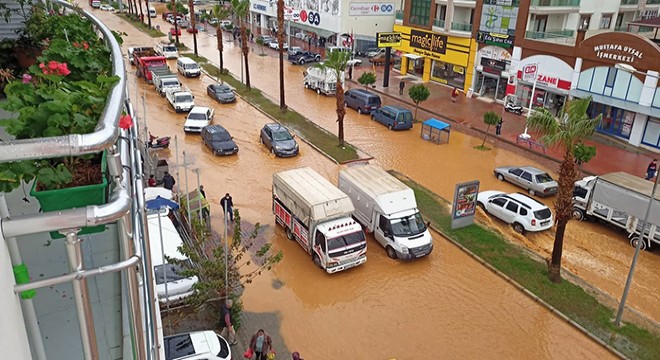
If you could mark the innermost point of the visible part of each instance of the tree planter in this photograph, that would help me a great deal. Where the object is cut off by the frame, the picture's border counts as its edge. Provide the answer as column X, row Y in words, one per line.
column 74, row 197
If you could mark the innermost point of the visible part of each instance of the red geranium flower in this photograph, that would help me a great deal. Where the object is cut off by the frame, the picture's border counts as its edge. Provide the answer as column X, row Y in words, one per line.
column 125, row 122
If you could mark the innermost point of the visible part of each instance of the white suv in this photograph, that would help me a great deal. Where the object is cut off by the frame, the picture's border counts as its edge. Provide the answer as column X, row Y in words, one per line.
column 198, row 117
column 520, row 210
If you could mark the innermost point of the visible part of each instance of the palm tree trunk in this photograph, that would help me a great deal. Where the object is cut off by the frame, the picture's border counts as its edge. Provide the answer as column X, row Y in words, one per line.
column 218, row 35
column 486, row 136
column 130, row 8
column 176, row 23
column 341, row 112
column 146, row 4
column 280, row 41
column 554, row 268
column 191, row 6
column 246, row 50
column 139, row 3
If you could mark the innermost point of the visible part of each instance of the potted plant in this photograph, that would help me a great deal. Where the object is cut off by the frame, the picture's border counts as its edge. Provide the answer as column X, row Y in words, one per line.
column 64, row 93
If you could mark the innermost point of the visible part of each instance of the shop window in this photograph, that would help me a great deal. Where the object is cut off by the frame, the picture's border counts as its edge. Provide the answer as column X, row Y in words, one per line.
column 420, row 12
column 652, row 133
column 584, row 82
column 634, row 90
column 598, row 81
column 615, row 121
column 585, row 20
column 450, row 74
column 605, row 21
column 656, row 99
column 621, row 84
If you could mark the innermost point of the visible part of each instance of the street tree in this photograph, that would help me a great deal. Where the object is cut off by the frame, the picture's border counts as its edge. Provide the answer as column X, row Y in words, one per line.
column 280, row 42
column 261, row 43
column 176, row 7
column 336, row 64
column 139, row 3
column 418, row 94
column 242, row 10
column 245, row 261
column 572, row 128
column 220, row 12
column 583, row 154
column 367, row 79
column 146, row 4
column 191, row 5
column 490, row 119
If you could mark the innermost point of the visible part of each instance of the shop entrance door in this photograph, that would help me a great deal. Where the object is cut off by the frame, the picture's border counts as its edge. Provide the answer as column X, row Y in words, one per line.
column 487, row 85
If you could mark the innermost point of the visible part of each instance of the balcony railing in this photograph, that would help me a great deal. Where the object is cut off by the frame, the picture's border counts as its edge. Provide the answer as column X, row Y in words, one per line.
column 621, row 28
column 652, row 2
column 572, row 3
column 557, row 36
column 439, row 23
column 461, row 26
column 399, row 15
column 629, row 2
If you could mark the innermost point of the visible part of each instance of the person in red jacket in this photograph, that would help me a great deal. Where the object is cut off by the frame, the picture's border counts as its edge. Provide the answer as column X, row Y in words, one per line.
column 454, row 94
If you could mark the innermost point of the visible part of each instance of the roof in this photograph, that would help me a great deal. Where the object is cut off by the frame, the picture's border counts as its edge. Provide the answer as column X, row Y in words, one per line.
column 630, row 182
column 199, row 109
column 653, row 22
column 533, row 170
column 216, row 128
column 435, row 123
column 527, row 200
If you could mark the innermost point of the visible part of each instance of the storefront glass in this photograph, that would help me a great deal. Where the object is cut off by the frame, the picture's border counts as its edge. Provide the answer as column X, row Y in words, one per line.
column 491, row 86
column 617, row 122
column 652, row 133
column 546, row 98
column 450, row 74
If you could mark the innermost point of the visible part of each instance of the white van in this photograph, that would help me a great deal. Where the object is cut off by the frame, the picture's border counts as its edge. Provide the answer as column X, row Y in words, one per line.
column 178, row 287
column 152, row 12
column 167, row 49
column 188, row 67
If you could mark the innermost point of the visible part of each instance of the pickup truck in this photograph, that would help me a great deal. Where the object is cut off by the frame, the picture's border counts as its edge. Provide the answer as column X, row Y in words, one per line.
column 146, row 64
column 141, row 51
column 182, row 100
column 165, row 80
column 303, row 57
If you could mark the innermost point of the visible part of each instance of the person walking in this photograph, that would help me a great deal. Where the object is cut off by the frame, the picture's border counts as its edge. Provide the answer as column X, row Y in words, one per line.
column 454, row 94
column 261, row 345
column 402, row 85
column 296, row 356
column 201, row 191
column 168, row 181
column 498, row 127
column 228, row 332
column 228, row 206
column 652, row 169
column 350, row 72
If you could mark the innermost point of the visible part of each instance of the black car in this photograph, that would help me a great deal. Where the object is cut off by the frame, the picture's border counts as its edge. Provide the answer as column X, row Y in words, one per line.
column 279, row 140
column 221, row 92
column 218, row 140
column 304, row 57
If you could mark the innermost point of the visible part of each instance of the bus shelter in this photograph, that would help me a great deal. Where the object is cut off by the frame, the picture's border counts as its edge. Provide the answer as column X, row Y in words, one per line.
column 433, row 129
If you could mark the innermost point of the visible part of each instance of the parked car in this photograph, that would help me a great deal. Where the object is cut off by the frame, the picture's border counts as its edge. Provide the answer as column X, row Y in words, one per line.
column 196, row 345
column 266, row 39
column 362, row 100
column 170, row 19
column 166, row 15
column 218, row 139
column 371, row 52
column 193, row 30
column 304, row 57
column 520, row 210
column 174, row 32
column 221, row 92
column 106, row 7
column 198, row 118
column 394, row 117
column 276, row 45
column 354, row 62
column 279, row 140
column 535, row 181
column 379, row 59
column 293, row 50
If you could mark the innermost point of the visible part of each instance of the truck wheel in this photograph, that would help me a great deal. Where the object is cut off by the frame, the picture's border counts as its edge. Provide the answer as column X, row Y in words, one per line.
column 634, row 240
column 517, row 227
column 577, row 214
column 390, row 252
column 500, row 177
column 318, row 91
column 289, row 234
column 317, row 261
column 532, row 192
column 306, row 86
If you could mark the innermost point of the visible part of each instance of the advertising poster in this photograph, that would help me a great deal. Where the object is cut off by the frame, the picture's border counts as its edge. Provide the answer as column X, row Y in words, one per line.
column 464, row 206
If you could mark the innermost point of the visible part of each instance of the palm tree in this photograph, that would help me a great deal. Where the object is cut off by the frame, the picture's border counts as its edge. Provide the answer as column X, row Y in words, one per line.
column 280, row 41
column 146, row 4
column 220, row 12
column 336, row 63
column 191, row 5
column 573, row 126
column 242, row 10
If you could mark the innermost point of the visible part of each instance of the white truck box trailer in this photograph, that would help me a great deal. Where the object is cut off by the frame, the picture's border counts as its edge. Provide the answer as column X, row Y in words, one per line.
column 323, row 81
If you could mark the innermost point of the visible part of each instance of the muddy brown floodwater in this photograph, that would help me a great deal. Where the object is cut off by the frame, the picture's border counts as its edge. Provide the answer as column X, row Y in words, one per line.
column 443, row 306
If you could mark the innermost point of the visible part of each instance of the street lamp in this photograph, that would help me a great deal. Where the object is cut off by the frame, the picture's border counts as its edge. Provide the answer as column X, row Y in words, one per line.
column 631, row 69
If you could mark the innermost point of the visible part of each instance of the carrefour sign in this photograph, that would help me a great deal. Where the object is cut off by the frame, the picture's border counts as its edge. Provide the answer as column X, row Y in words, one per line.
column 371, row 9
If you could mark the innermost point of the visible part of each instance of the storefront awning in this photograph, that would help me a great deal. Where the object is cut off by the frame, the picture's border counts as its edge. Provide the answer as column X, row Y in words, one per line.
column 413, row 56
column 317, row 31
column 621, row 104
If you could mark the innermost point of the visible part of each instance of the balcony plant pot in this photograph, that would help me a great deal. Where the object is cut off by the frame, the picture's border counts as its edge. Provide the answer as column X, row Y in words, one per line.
column 74, row 197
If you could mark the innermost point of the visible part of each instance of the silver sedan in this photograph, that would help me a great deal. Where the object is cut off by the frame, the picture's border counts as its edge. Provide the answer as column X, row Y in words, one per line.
column 535, row 181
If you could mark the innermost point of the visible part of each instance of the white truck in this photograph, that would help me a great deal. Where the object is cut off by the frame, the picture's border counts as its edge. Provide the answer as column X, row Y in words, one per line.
column 167, row 49
column 620, row 199
column 182, row 100
column 323, row 81
column 387, row 208
column 319, row 217
column 165, row 80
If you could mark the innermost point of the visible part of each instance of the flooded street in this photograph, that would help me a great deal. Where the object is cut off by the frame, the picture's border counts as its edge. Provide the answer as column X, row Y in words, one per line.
column 443, row 306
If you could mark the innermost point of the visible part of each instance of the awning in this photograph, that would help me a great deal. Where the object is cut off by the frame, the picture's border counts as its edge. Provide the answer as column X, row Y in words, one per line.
column 621, row 104
column 413, row 56
column 435, row 123
column 317, row 31
column 364, row 37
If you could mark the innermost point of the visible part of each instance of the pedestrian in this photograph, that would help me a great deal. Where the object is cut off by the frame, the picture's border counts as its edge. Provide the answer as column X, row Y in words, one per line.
column 350, row 72
column 201, row 191
column 261, row 345
column 454, row 94
column 228, row 206
column 296, row 356
column 168, row 181
column 152, row 181
column 402, row 85
column 652, row 169
column 309, row 42
column 228, row 331
column 498, row 127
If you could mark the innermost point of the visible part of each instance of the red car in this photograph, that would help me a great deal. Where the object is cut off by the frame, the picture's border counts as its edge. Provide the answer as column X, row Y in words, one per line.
column 172, row 32
column 192, row 30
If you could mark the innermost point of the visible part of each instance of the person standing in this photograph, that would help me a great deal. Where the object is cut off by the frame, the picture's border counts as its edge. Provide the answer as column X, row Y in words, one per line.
column 498, row 127
column 261, row 344
column 402, row 85
column 652, row 169
column 228, row 206
column 168, row 181
column 228, row 331
column 454, row 94
column 201, row 191
column 350, row 72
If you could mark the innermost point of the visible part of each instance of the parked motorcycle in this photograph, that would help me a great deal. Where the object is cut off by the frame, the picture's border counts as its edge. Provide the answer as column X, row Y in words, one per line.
column 512, row 107
column 161, row 142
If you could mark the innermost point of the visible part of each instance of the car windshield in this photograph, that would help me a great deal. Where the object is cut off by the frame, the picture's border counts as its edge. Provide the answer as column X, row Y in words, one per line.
column 408, row 225
column 171, row 83
column 222, row 90
column 543, row 214
column 191, row 66
column 343, row 241
column 171, row 271
column 178, row 346
column 183, row 98
column 543, row 178
column 281, row 136
column 169, row 48
column 221, row 136
column 197, row 116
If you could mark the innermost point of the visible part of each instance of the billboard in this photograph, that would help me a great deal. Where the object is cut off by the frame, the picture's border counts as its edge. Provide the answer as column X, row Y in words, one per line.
column 498, row 22
column 388, row 39
column 370, row 9
column 464, row 206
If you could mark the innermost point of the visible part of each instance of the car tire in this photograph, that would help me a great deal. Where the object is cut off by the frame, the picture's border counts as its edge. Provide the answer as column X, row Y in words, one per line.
column 346, row 105
column 318, row 91
column 306, row 86
column 289, row 234
column 531, row 192
column 482, row 206
column 302, row 61
column 517, row 227
column 391, row 253
column 577, row 214
column 317, row 59
column 317, row 261
column 500, row 177
column 359, row 111
column 272, row 151
column 389, row 126
column 261, row 140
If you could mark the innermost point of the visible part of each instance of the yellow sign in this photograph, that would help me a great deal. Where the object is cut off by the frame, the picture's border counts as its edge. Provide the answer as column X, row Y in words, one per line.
column 388, row 39
column 455, row 50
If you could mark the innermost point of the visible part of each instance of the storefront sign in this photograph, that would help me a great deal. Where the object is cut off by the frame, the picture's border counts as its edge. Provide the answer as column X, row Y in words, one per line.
column 495, row 52
column 529, row 73
column 428, row 42
column 388, row 39
column 619, row 47
column 313, row 18
column 617, row 52
column 505, row 41
column 493, row 64
column 291, row 14
column 370, row 9
column 259, row 7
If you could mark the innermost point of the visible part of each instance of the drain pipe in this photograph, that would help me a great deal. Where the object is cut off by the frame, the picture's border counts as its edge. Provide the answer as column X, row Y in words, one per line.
column 31, row 322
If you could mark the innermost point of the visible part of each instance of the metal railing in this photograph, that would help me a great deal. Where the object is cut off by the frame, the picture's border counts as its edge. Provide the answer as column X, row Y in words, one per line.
column 439, row 23
column 461, row 26
column 652, row 2
column 629, row 2
column 556, row 36
column 572, row 3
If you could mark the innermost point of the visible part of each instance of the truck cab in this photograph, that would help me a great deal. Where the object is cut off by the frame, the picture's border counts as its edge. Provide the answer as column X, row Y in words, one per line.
column 404, row 235
column 167, row 49
column 336, row 243
column 181, row 100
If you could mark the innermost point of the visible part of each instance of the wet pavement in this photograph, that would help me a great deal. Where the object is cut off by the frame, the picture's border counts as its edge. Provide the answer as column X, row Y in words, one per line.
column 445, row 304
